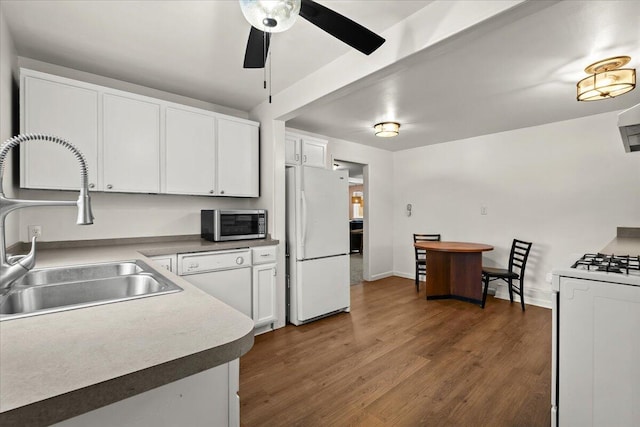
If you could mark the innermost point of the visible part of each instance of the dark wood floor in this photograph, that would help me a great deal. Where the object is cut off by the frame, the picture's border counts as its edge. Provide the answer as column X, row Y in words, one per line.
column 398, row 359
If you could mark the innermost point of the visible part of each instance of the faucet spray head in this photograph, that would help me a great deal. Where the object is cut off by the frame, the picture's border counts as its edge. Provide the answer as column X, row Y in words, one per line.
column 85, row 215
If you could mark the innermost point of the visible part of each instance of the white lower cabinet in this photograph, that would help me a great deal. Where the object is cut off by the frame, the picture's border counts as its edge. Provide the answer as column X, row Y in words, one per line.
column 264, row 285
column 264, row 294
column 207, row 399
column 244, row 279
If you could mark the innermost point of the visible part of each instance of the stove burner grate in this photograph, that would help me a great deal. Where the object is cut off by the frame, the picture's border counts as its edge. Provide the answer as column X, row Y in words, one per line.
column 622, row 264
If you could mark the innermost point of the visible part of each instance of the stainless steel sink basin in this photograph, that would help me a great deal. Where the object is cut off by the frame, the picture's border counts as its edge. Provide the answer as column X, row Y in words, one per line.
column 66, row 288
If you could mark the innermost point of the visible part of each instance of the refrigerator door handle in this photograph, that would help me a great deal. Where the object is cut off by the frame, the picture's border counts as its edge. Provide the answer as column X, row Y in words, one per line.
column 304, row 223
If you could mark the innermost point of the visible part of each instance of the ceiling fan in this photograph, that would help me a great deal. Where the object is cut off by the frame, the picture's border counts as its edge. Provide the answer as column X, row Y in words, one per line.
column 273, row 16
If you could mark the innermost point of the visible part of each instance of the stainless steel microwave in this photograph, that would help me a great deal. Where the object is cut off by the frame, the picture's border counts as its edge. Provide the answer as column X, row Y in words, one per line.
column 222, row 225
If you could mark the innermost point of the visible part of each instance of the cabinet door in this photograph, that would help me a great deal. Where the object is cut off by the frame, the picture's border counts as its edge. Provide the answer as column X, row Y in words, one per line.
column 131, row 145
column 238, row 159
column 314, row 153
column 599, row 349
column 292, row 150
column 264, row 294
column 191, row 152
column 65, row 111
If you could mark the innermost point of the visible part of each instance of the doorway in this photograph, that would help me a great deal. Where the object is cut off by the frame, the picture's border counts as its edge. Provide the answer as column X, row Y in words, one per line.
column 356, row 217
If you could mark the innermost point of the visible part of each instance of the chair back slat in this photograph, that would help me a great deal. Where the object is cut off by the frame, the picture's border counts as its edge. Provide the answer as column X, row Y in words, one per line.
column 518, row 257
column 421, row 253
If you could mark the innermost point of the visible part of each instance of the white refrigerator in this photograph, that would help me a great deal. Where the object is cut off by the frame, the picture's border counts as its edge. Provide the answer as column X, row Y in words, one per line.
column 317, row 242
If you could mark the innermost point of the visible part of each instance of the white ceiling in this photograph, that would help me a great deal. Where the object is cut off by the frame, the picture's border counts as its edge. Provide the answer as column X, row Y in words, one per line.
column 515, row 70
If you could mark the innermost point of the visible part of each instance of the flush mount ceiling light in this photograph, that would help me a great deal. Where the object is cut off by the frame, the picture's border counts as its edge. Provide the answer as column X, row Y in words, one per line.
column 387, row 129
column 607, row 79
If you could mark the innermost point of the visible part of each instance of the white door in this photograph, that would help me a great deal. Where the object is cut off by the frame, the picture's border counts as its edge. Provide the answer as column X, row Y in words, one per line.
column 191, row 152
column 322, row 286
column 70, row 113
column 238, row 159
column 131, row 145
column 323, row 227
column 599, row 350
column 264, row 294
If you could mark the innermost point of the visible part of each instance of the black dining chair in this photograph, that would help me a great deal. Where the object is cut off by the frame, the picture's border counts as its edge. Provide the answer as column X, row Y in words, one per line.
column 517, row 263
column 421, row 255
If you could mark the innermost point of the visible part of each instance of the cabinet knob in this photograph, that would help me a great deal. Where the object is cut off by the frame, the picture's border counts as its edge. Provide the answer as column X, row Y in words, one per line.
column 109, row 186
column 210, row 191
column 239, row 260
column 221, row 191
column 92, row 185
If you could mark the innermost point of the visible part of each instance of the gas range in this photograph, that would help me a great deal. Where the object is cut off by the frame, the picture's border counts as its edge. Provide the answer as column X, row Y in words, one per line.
column 621, row 264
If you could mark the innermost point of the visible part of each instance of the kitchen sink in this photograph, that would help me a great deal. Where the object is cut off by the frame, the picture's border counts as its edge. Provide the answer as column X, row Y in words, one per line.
column 51, row 290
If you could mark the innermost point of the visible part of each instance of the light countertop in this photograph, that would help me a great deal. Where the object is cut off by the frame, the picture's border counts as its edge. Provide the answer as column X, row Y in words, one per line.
column 60, row 365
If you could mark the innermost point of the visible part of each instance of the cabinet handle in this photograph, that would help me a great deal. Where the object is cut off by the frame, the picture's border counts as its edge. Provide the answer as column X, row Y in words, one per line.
column 304, row 159
column 109, row 187
column 297, row 157
column 221, row 191
column 263, row 255
column 92, row 185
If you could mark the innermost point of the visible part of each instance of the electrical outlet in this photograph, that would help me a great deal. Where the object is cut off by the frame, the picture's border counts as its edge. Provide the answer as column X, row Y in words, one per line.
column 35, row 231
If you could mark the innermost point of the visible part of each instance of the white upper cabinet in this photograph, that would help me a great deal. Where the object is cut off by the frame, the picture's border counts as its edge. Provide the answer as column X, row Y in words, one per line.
column 131, row 145
column 190, row 152
column 305, row 150
column 65, row 111
column 314, row 152
column 239, row 158
column 292, row 149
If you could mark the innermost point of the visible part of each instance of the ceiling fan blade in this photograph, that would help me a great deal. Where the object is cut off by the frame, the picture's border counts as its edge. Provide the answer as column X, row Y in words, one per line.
column 341, row 27
column 255, row 55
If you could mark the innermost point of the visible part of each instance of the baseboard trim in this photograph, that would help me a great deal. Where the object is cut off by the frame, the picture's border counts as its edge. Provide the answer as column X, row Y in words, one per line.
column 382, row 275
column 533, row 296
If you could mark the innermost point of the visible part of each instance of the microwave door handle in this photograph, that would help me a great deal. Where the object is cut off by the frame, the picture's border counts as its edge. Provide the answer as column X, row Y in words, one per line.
column 304, row 223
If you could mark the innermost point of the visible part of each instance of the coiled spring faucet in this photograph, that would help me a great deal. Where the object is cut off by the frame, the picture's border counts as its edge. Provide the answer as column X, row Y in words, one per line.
column 13, row 268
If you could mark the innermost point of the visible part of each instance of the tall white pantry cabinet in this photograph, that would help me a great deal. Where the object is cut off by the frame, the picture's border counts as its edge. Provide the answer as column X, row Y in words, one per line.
column 133, row 143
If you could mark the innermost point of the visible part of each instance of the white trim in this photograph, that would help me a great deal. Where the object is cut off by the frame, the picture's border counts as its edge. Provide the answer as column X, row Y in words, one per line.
column 533, row 296
column 381, row 276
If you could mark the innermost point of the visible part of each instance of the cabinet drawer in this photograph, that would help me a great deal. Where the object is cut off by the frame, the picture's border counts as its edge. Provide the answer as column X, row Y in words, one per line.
column 208, row 261
column 264, row 254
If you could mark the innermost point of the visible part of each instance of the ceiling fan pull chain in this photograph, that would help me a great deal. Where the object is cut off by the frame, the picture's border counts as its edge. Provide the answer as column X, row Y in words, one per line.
column 270, row 62
column 264, row 57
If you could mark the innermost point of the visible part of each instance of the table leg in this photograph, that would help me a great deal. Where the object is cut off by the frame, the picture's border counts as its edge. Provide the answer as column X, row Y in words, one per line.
column 455, row 275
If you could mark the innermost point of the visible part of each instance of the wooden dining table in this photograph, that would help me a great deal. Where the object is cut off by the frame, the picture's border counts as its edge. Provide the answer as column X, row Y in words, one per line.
column 454, row 270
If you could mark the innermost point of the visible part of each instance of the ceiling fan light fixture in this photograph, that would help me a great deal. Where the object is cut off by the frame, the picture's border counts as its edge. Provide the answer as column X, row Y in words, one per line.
column 387, row 129
column 271, row 16
column 607, row 79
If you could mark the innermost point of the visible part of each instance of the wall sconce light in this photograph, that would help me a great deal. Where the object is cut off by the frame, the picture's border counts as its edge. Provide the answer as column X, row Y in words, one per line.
column 607, row 79
column 387, row 129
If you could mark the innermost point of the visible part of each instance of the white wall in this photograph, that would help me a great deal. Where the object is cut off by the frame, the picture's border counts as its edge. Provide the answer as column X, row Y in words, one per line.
column 564, row 186
column 8, row 64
